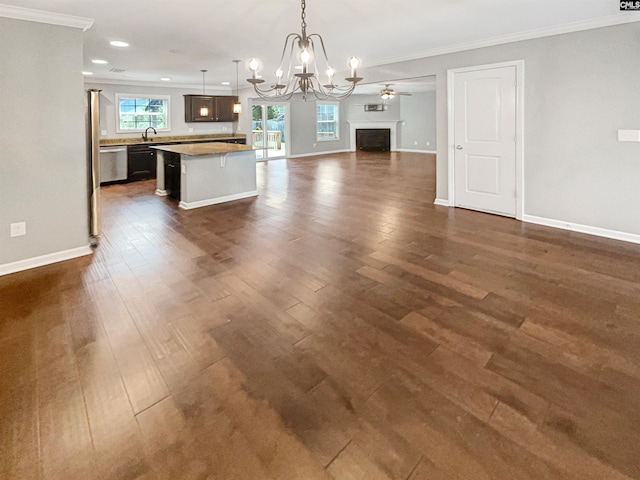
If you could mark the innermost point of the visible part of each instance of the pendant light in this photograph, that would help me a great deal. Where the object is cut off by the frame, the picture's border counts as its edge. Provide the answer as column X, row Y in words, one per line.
column 237, row 106
column 204, row 110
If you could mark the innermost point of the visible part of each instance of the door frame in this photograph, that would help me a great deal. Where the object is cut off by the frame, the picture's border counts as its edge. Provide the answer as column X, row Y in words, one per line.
column 287, row 125
column 519, row 66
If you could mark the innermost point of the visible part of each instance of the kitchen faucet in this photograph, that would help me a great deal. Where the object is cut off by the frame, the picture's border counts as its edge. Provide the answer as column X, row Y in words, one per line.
column 145, row 137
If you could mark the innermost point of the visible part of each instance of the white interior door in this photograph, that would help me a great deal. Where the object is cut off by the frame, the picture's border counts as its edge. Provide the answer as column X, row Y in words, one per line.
column 484, row 109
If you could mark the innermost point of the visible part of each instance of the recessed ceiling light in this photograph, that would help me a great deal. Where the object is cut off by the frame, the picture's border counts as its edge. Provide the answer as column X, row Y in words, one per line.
column 225, row 83
column 99, row 62
column 118, row 43
column 165, row 79
column 87, row 73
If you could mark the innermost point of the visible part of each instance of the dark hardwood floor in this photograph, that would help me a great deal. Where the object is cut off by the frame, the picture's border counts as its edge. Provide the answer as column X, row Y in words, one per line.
column 337, row 326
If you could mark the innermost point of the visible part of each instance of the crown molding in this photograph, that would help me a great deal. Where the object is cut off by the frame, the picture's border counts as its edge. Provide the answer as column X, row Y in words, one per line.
column 40, row 16
column 88, row 80
column 608, row 21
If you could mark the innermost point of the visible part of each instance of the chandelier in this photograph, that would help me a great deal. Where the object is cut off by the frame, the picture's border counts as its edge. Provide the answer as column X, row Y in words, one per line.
column 303, row 53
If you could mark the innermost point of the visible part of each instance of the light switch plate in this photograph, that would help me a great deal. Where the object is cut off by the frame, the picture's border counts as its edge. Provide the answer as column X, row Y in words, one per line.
column 629, row 135
column 18, row 229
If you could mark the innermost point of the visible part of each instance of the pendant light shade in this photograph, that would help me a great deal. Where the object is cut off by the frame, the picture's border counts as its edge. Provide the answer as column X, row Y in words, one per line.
column 237, row 106
column 204, row 110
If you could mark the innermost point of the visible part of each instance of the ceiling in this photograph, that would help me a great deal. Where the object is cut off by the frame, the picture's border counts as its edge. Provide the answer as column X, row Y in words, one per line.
column 177, row 39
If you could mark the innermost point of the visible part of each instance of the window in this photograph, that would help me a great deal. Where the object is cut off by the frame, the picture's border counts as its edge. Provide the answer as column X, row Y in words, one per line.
column 138, row 112
column 327, row 121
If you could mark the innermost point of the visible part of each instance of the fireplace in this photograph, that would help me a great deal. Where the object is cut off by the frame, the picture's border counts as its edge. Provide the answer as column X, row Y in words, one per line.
column 373, row 139
column 390, row 126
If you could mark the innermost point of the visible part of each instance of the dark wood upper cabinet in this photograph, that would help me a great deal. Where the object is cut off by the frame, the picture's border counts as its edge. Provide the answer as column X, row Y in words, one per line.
column 194, row 105
column 219, row 108
column 224, row 109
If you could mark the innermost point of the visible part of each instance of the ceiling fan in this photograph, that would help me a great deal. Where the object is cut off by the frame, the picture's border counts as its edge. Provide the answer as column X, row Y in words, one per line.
column 387, row 93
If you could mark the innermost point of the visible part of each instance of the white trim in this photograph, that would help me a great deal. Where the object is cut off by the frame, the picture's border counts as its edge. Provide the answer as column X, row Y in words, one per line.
column 42, row 260
column 161, row 193
column 576, row 227
column 519, row 66
column 608, row 21
column 40, row 16
column 409, row 150
column 442, row 202
column 391, row 125
column 210, row 90
column 301, row 155
column 214, row 201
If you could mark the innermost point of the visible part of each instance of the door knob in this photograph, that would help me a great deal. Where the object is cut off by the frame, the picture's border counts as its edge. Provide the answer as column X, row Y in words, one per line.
column 458, row 147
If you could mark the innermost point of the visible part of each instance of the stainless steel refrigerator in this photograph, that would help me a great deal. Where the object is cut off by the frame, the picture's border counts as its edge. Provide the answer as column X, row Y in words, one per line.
column 93, row 164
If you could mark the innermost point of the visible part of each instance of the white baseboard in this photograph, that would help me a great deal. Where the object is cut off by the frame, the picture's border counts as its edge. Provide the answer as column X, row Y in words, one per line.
column 410, row 150
column 215, row 201
column 576, row 227
column 318, row 153
column 42, row 260
column 442, row 202
column 161, row 193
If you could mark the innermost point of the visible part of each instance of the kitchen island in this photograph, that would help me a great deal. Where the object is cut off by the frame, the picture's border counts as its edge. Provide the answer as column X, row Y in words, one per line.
column 201, row 174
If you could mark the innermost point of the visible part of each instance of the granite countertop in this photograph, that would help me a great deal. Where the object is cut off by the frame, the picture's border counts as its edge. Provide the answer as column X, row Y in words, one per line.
column 204, row 148
column 175, row 138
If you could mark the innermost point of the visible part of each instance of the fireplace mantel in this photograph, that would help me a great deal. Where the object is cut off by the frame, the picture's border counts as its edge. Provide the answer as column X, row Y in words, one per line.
column 353, row 126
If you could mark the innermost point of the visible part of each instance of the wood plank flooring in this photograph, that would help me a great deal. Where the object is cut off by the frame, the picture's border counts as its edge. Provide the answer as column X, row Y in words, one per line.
column 337, row 326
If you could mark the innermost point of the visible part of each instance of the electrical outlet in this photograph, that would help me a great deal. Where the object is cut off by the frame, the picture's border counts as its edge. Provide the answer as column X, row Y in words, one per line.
column 428, row 144
column 629, row 135
column 18, row 229
column 103, row 133
column 415, row 143
column 190, row 130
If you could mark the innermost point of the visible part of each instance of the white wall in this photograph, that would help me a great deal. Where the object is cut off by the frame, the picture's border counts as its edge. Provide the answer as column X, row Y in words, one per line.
column 353, row 108
column 417, row 131
column 108, row 109
column 43, row 172
column 580, row 88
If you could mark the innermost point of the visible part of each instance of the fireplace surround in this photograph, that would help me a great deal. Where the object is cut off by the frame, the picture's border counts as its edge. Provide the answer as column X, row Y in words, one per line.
column 392, row 126
column 373, row 139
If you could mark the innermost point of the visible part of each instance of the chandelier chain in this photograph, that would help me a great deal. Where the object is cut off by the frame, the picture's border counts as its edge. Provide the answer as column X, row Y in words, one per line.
column 303, row 16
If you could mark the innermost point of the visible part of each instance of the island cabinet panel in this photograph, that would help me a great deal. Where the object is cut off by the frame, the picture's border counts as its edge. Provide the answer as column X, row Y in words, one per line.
column 217, row 178
column 172, row 174
column 218, row 108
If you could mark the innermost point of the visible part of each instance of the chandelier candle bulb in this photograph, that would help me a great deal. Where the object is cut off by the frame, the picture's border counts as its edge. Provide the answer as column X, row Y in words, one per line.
column 330, row 73
column 354, row 63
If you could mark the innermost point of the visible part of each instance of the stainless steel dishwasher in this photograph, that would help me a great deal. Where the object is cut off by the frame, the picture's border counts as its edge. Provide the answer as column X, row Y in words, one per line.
column 113, row 164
